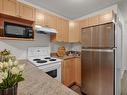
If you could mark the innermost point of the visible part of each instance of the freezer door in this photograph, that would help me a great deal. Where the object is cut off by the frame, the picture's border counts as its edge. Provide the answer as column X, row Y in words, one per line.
column 86, row 37
column 107, row 35
column 101, row 36
column 97, row 72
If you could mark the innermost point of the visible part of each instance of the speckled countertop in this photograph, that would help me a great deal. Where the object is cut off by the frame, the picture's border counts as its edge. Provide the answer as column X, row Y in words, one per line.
column 39, row 83
column 68, row 57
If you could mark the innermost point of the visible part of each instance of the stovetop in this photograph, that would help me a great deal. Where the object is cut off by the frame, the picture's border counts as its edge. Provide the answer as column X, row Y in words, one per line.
column 44, row 60
column 40, row 56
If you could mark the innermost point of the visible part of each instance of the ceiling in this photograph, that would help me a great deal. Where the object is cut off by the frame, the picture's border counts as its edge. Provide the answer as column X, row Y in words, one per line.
column 73, row 9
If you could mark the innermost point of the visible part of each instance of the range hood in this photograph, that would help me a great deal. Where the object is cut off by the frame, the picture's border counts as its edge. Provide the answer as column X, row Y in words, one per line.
column 45, row 30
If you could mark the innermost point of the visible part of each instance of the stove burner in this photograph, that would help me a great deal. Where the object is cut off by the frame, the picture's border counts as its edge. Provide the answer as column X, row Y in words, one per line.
column 36, row 59
column 52, row 60
column 41, row 61
column 47, row 58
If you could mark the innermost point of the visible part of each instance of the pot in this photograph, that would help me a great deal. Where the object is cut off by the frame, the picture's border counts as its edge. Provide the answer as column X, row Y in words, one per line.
column 9, row 91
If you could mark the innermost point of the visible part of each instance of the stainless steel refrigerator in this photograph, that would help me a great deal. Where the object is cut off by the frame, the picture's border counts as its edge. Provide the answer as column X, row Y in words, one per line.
column 98, row 59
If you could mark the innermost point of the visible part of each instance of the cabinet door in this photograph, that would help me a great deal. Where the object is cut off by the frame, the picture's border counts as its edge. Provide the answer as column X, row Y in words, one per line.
column 69, row 72
column 59, row 30
column 39, row 18
column 50, row 20
column 65, row 30
column 78, row 71
column 1, row 6
column 74, row 32
column 93, row 20
column 10, row 7
column 27, row 12
column 84, row 23
column 106, row 17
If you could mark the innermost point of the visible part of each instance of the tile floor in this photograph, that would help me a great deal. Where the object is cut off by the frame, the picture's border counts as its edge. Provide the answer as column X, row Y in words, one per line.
column 76, row 89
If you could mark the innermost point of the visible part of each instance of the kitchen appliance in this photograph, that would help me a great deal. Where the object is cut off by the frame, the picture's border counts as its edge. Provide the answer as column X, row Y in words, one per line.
column 17, row 30
column 40, row 57
column 101, row 50
column 45, row 30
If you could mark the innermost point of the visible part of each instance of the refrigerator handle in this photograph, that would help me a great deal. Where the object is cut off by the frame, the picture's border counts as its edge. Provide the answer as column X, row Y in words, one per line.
column 100, row 50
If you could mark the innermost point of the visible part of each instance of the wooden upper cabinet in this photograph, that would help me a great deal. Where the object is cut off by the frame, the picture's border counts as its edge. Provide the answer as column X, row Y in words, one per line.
column 17, row 9
column 106, row 17
column 1, row 6
column 74, row 32
column 84, row 23
column 59, row 30
column 40, row 18
column 27, row 12
column 10, row 7
column 62, row 28
column 50, row 20
column 96, row 20
column 65, row 30
column 93, row 20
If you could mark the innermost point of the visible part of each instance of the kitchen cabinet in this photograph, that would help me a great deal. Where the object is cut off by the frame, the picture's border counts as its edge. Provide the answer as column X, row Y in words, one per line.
column 62, row 29
column 58, row 36
column 84, row 23
column 65, row 30
column 10, row 7
column 40, row 18
column 27, row 12
column 106, row 17
column 17, row 9
column 93, row 20
column 50, row 20
column 1, row 6
column 98, row 19
column 74, row 32
column 78, row 71
column 45, row 19
column 69, row 72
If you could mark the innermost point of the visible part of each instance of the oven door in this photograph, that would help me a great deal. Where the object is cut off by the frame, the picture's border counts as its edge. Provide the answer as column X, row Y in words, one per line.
column 53, row 70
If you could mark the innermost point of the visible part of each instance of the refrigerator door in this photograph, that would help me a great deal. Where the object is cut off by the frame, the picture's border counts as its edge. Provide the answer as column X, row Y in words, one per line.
column 86, row 37
column 98, row 71
column 101, row 36
column 106, row 36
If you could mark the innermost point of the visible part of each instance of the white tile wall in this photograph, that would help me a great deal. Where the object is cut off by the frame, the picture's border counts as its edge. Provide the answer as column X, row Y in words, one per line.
column 19, row 48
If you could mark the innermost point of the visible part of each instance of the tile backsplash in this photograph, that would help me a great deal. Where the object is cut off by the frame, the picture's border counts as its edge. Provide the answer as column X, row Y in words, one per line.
column 68, row 46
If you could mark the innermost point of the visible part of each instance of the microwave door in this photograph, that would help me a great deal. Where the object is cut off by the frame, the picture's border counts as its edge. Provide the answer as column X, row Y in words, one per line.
column 17, row 31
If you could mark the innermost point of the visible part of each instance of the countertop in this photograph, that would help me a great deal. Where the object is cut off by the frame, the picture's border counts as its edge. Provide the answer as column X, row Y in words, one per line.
column 39, row 83
column 68, row 57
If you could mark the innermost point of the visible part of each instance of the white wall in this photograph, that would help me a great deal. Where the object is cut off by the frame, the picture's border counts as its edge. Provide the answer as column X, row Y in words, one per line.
column 125, row 48
column 19, row 48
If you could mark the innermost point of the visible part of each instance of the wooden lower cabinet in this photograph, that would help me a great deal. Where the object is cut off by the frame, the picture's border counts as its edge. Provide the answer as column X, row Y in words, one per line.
column 78, row 71
column 68, row 72
column 71, row 72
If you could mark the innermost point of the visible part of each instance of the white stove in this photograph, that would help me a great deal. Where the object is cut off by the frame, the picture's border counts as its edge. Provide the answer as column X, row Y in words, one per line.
column 40, row 57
